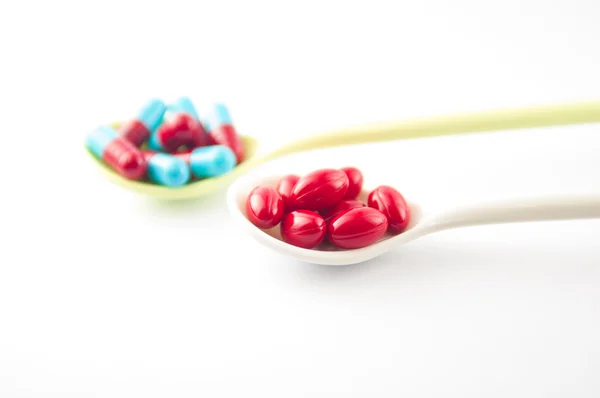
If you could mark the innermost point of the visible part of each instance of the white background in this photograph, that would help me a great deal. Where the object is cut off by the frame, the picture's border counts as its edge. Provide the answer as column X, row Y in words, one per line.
column 104, row 293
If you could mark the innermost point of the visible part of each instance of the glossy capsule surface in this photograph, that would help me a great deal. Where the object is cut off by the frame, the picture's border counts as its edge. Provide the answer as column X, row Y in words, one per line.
column 264, row 207
column 167, row 170
column 346, row 204
column 357, row 228
column 209, row 161
column 303, row 228
column 319, row 189
column 393, row 205
column 221, row 131
column 180, row 130
column 117, row 152
column 138, row 130
column 285, row 187
column 355, row 182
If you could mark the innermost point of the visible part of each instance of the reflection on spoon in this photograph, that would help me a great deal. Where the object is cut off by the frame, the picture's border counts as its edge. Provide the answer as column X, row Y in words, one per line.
column 545, row 208
column 497, row 120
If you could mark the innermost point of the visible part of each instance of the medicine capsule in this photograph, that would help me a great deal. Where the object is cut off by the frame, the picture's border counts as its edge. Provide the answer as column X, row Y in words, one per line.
column 346, row 204
column 209, row 161
column 138, row 130
column 303, row 228
column 355, row 182
column 264, row 207
column 179, row 130
column 181, row 105
column 356, row 228
column 167, row 170
column 391, row 203
column 285, row 187
column 222, row 132
column 117, row 152
column 319, row 189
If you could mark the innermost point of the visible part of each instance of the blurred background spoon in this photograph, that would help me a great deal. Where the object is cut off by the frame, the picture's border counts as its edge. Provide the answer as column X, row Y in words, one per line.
column 482, row 121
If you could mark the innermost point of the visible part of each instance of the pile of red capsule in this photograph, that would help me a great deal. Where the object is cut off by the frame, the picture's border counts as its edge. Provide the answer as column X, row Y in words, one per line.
column 324, row 207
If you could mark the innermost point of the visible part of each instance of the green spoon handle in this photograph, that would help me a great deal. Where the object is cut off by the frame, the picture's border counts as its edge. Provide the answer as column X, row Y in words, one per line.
column 482, row 121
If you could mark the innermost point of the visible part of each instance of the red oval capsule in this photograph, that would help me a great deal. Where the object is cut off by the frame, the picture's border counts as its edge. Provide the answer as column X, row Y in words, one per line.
column 264, row 207
column 285, row 187
column 181, row 130
column 303, row 228
column 346, row 204
column 355, row 182
column 356, row 228
column 391, row 203
column 319, row 189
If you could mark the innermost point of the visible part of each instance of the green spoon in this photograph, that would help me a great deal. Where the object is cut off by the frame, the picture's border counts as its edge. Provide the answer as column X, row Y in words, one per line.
column 495, row 120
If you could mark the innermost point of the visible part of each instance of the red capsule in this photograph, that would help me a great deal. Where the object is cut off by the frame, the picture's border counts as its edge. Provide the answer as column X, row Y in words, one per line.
column 303, row 228
column 346, row 204
column 226, row 135
column 181, row 130
column 357, row 228
column 285, row 187
column 135, row 132
column 319, row 189
column 391, row 203
column 264, row 207
column 355, row 182
column 125, row 158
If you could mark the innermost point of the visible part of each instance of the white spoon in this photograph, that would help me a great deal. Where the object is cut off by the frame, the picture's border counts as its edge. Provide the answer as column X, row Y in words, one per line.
column 547, row 208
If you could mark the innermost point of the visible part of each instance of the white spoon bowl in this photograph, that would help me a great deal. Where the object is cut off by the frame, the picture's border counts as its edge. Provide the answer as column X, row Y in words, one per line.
column 545, row 208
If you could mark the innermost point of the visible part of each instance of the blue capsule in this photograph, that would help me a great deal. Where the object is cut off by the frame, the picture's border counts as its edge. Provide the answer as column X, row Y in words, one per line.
column 212, row 161
column 168, row 170
column 154, row 144
column 182, row 105
column 220, row 115
column 99, row 139
column 152, row 113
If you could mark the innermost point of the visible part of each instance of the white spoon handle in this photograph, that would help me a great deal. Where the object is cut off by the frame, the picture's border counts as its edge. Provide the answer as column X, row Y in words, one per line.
column 545, row 208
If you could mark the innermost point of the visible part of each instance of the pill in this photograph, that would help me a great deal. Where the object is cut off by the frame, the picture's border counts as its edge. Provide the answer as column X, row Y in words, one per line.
column 264, row 207
column 303, row 228
column 167, row 170
column 117, row 152
column 346, row 204
column 285, row 187
column 209, row 161
column 222, row 132
column 138, row 130
column 319, row 189
column 355, row 182
column 179, row 130
column 181, row 105
column 392, row 204
column 356, row 228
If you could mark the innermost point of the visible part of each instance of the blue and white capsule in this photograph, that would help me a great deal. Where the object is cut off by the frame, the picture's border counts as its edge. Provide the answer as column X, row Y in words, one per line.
column 167, row 170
